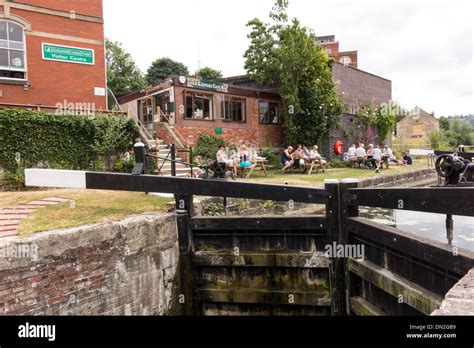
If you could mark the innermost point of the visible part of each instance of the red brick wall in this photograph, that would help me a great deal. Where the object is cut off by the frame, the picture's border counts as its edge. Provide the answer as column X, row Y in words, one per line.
column 53, row 82
column 93, row 270
column 251, row 132
column 85, row 7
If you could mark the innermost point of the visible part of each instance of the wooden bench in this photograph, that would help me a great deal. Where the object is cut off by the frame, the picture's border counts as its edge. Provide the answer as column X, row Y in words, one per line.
column 315, row 164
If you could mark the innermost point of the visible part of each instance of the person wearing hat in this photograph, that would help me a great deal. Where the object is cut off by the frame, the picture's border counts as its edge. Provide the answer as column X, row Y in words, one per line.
column 286, row 159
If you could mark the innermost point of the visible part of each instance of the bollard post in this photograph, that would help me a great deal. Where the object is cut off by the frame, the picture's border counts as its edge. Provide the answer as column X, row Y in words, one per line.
column 140, row 159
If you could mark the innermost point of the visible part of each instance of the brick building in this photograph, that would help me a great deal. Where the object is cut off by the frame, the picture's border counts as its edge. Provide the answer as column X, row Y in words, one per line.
column 331, row 46
column 52, row 54
column 417, row 124
column 181, row 108
column 241, row 110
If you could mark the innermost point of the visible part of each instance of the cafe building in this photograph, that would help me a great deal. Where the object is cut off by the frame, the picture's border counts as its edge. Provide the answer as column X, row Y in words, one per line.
column 181, row 108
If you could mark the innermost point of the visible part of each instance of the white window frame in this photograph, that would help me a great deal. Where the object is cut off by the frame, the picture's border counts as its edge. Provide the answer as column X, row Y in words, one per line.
column 25, row 69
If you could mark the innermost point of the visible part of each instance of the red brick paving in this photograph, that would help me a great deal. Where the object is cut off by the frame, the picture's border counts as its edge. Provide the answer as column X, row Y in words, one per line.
column 11, row 217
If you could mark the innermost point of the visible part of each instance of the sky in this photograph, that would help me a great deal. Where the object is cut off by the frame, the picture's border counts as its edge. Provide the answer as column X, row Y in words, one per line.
column 424, row 47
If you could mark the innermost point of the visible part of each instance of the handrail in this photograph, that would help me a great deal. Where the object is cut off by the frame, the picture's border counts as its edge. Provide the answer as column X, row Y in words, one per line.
column 174, row 132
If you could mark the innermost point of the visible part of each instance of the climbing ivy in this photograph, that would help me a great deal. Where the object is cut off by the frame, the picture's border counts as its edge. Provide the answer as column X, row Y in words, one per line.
column 383, row 119
column 35, row 139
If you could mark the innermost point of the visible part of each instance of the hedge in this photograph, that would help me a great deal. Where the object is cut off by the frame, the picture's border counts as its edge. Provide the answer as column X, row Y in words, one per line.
column 67, row 142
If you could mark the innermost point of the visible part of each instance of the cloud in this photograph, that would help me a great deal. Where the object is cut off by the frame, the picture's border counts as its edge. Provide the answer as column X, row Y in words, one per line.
column 425, row 47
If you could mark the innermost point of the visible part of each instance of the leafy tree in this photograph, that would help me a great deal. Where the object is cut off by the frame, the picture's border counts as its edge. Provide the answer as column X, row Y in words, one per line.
column 286, row 55
column 163, row 68
column 208, row 73
column 123, row 74
column 437, row 139
column 464, row 131
column 443, row 123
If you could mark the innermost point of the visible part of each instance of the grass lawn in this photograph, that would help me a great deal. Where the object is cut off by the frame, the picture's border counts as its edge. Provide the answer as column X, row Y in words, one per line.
column 90, row 206
column 93, row 206
column 294, row 178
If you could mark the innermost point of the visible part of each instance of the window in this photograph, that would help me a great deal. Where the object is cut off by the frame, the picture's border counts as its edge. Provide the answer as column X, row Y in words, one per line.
column 12, row 51
column 146, row 113
column 345, row 60
column 199, row 106
column 269, row 113
column 233, row 109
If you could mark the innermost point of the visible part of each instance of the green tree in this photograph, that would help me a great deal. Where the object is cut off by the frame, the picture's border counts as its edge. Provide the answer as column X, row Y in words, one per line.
column 463, row 130
column 123, row 74
column 286, row 55
column 163, row 68
column 208, row 73
column 444, row 123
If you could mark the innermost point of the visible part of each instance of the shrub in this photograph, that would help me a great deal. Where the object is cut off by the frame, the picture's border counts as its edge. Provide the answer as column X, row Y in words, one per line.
column 32, row 139
column 207, row 146
column 270, row 154
column 338, row 163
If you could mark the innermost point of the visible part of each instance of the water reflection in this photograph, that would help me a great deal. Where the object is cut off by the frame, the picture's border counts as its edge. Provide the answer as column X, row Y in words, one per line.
column 426, row 225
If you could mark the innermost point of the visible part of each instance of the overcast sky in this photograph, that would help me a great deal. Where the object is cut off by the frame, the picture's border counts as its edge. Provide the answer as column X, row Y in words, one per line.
column 424, row 47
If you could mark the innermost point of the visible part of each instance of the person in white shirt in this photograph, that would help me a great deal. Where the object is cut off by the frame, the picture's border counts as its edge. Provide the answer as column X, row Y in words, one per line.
column 360, row 155
column 351, row 155
column 377, row 155
column 387, row 155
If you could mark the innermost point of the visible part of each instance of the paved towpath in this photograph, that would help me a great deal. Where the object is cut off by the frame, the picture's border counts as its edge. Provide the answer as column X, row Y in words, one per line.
column 10, row 217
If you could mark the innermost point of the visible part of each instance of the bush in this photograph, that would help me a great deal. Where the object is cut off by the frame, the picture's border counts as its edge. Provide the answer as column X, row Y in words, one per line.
column 207, row 146
column 31, row 139
column 338, row 163
column 272, row 156
column 123, row 166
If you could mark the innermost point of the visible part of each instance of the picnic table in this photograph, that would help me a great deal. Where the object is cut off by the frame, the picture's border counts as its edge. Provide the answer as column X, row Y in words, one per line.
column 257, row 164
column 315, row 163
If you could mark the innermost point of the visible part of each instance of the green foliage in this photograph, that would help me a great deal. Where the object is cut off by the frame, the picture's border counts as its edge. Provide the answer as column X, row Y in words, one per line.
column 266, row 205
column 163, row 68
column 123, row 166
column 214, row 209
column 286, row 55
column 383, row 119
column 270, row 154
column 444, row 123
column 207, row 73
column 15, row 180
column 207, row 146
column 437, row 139
column 338, row 163
column 462, row 131
column 31, row 139
column 123, row 75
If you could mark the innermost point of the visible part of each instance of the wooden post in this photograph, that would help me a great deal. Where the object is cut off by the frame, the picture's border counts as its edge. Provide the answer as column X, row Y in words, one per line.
column 184, row 208
column 349, row 208
column 173, row 160
column 336, row 272
column 449, row 228
column 191, row 159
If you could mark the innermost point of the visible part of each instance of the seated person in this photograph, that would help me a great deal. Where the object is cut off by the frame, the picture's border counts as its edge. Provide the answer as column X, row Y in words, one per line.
column 360, row 154
column 244, row 156
column 298, row 157
column 387, row 155
column 351, row 154
column 221, row 157
column 287, row 159
column 306, row 154
column 377, row 156
column 316, row 156
column 370, row 162
column 407, row 160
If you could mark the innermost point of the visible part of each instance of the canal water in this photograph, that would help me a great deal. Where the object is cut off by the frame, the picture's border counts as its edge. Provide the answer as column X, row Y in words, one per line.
column 432, row 226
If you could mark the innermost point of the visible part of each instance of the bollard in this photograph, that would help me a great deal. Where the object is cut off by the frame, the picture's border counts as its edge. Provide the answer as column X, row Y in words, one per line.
column 140, row 159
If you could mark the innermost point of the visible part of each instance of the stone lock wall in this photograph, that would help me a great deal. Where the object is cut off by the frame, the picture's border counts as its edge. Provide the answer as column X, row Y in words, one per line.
column 119, row 268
